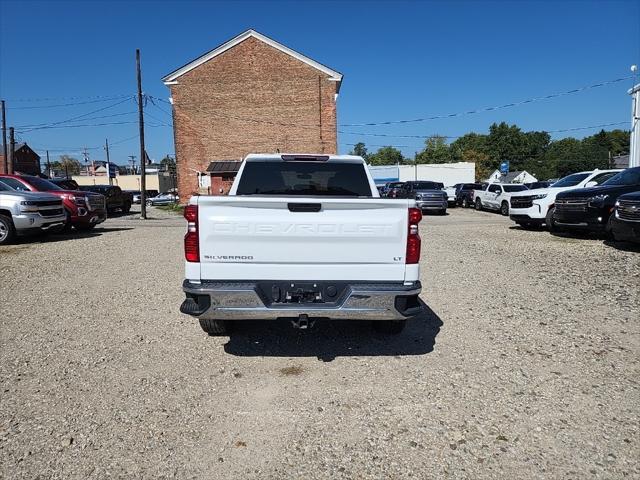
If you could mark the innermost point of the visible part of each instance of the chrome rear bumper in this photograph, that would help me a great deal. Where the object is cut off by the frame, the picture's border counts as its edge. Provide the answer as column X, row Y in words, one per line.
column 359, row 301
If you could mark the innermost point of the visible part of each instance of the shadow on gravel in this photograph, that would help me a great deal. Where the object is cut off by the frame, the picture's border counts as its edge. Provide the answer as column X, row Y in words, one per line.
column 623, row 246
column 72, row 235
column 330, row 339
column 532, row 228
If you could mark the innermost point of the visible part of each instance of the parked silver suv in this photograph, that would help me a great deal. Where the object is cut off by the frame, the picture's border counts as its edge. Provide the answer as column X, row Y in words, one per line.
column 24, row 212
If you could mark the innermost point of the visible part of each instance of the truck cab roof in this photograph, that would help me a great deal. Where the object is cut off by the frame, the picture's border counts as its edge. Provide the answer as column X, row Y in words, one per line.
column 302, row 157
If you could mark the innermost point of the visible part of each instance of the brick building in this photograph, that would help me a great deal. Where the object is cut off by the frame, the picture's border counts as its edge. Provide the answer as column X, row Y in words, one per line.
column 249, row 95
column 25, row 160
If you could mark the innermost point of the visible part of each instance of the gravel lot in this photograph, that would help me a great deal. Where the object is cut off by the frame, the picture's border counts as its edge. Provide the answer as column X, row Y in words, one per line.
column 527, row 366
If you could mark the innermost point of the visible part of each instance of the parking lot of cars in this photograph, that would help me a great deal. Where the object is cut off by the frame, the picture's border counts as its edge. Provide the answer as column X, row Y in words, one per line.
column 35, row 205
column 602, row 202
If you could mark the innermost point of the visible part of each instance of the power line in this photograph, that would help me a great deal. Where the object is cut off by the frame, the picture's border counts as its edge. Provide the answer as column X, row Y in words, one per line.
column 488, row 109
column 68, row 149
column 369, row 134
column 158, row 106
column 84, row 119
column 51, row 99
column 435, row 117
column 78, row 126
column 69, row 104
column 77, row 117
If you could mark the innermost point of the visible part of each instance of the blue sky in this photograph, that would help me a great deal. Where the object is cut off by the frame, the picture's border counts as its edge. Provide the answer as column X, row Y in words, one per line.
column 399, row 59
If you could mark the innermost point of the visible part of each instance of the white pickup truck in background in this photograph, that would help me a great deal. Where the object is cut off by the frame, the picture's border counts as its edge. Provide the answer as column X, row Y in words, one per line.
column 302, row 237
column 495, row 196
column 534, row 208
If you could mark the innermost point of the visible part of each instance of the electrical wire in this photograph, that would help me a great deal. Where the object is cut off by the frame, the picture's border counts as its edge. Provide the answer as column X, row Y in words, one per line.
column 77, row 117
column 106, row 99
column 442, row 116
column 81, row 125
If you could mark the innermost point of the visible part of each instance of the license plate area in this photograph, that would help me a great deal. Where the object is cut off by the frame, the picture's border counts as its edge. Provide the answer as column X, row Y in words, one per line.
column 296, row 293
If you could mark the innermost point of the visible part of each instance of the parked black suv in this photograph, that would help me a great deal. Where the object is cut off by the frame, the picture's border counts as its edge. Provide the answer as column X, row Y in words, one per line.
column 591, row 209
column 625, row 222
column 464, row 193
column 115, row 197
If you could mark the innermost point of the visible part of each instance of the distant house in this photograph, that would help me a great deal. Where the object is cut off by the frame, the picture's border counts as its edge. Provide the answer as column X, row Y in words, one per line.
column 25, row 160
column 620, row 161
column 222, row 175
column 249, row 95
column 512, row 177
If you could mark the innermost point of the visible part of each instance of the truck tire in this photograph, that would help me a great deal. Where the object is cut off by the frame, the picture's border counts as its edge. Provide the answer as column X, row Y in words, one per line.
column 389, row 327
column 608, row 229
column 215, row 327
column 67, row 224
column 126, row 207
column 478, row 204
column 504, row 208
column 7, row 230
column 548, row 220
column 85, row 227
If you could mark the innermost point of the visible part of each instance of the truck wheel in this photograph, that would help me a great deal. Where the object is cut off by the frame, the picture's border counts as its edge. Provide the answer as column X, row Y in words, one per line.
column 504, row 208
column 548, row 220
column 67, row 224
column 126, row 208
column 215, row 327
column 7, row 230
column 389, row 327
column 465, row 202
column 85, row 227
column 478, row 204
column 608, row 229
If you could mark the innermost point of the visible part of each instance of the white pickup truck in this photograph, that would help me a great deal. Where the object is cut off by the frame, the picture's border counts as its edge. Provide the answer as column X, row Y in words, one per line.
column 302, row 237
column 534, row 208
column 495, row 196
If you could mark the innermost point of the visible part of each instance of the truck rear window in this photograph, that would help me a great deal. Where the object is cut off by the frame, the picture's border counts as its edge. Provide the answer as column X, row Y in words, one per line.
column 304, row 178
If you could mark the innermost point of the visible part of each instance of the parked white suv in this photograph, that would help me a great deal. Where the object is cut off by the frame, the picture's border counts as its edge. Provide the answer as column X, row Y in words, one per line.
column 24, row 212
column 302, row 237
column 534, row 208
column 495, row 196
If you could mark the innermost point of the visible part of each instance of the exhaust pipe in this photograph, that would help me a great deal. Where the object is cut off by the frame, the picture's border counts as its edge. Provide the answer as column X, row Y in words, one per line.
column 302, row 322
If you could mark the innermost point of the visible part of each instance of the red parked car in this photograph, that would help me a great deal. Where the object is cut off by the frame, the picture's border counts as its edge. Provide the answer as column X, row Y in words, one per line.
column 84, row 210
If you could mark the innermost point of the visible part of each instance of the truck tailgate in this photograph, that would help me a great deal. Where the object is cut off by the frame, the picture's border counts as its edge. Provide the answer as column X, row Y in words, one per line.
column 277, row 238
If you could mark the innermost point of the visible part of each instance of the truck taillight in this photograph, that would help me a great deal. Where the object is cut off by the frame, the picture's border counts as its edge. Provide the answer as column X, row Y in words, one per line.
column 413, row 237
column 191, row 240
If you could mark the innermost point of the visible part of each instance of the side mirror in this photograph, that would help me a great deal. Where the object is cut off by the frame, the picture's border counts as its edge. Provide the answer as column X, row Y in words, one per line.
column 590, row 184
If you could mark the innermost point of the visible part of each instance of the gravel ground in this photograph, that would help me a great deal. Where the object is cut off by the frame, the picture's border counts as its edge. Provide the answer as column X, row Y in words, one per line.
column 526, row 366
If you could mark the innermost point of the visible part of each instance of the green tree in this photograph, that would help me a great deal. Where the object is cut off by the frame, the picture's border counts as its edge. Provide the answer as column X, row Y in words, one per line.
column 564, row 156
column 360, row 150
column 471, row 141
column 435, row 150
column 507, row 142
column 386, row 156
column 484, row 164
column 70, row 165
column 169, row 163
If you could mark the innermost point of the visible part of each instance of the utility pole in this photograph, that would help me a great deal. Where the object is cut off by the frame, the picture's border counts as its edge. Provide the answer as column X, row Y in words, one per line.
column 4, row 140
column 85, row 154
column 106, row 147
column 12, row 150
column 143, row 156
column 634, row 147
column 48, row 165
column 132, row 161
